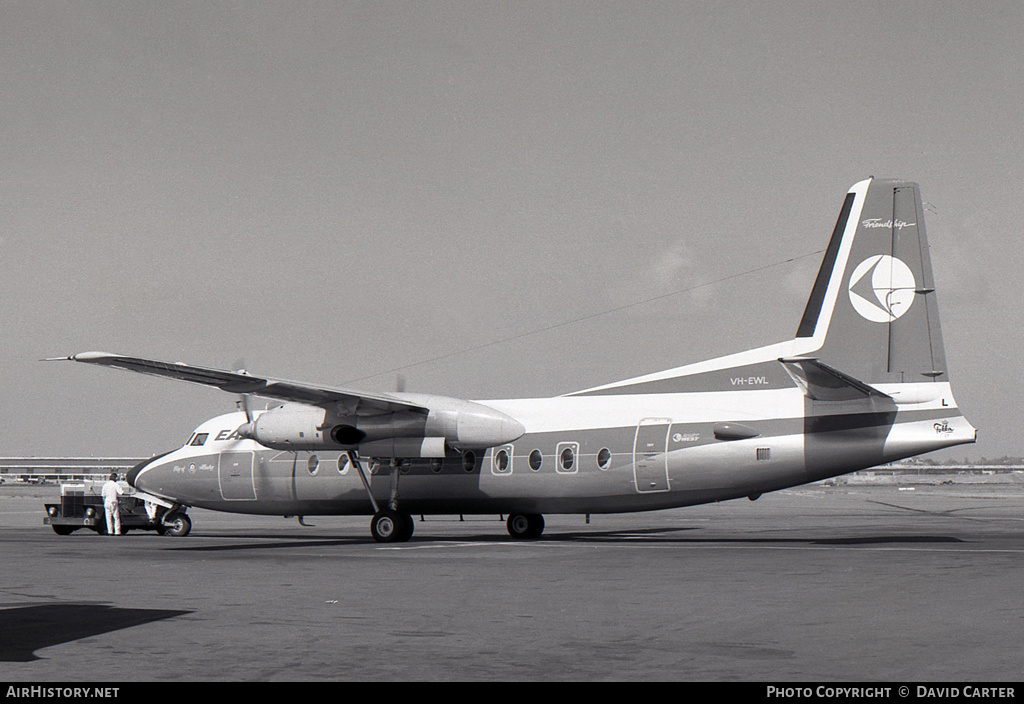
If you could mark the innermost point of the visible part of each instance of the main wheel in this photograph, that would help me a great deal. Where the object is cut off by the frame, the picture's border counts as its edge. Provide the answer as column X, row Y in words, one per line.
column 389, row 526
column 525, row 526
column 177, row 526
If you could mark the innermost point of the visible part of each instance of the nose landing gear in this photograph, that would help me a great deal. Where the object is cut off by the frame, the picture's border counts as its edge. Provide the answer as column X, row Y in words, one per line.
column 177, row 525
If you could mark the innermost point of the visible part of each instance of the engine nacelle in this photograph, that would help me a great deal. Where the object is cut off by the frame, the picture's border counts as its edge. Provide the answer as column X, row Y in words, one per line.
column 289, row 427
column 459, row 424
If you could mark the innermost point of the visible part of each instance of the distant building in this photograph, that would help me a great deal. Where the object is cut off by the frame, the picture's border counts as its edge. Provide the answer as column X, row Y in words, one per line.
column 60, row 469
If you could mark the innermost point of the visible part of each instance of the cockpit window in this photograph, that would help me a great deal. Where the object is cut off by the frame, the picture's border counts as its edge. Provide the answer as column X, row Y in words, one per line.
column 199, row 439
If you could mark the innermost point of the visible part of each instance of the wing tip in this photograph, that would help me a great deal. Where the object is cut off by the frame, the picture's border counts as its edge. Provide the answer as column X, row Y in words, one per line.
column 82, row 357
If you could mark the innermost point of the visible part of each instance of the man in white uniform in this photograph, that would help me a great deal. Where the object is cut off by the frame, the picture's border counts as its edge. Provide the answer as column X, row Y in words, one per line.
column 111, row 490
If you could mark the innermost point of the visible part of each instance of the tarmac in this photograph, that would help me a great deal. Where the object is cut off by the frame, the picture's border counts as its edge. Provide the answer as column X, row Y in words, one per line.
column 901, row 582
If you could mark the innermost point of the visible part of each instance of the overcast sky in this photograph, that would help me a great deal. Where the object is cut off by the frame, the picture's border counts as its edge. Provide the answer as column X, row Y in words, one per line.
column 333, row 191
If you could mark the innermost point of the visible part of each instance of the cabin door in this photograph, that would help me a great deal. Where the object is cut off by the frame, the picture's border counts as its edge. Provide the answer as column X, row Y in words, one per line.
column 650, row 456
column 235, row 471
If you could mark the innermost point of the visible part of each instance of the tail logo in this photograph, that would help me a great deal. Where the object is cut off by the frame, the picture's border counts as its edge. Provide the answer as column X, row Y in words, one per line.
column 884, row 295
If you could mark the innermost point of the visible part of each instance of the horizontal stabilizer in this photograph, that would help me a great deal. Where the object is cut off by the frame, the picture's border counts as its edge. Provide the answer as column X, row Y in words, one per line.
column 823, row 383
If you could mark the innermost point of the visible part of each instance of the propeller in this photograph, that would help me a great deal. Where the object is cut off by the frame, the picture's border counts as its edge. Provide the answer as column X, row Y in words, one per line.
column 243, row 403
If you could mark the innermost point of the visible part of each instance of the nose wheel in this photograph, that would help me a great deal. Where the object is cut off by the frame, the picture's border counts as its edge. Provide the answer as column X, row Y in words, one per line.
column 389, row 526
column 176, row 525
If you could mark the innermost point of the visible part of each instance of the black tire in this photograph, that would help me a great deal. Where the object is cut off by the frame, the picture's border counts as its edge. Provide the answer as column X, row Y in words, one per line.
column 389, row 526
column 177, row 525
column 525, row 526
column 64, row 530
column 408, row 528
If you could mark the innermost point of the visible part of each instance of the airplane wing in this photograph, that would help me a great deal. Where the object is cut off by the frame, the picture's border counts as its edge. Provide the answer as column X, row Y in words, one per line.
column 349, row 417
column 240, row 382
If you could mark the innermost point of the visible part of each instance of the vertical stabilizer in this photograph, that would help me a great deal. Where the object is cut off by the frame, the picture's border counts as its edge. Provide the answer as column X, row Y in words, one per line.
column 873, row 307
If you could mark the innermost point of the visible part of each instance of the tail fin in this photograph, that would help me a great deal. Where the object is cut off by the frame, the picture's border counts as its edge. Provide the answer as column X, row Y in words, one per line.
column 872, row 317
column 873, row 310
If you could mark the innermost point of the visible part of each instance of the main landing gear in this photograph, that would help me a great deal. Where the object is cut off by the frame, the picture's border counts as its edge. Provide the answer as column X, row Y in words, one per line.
column 388, row 525
column 525, row 526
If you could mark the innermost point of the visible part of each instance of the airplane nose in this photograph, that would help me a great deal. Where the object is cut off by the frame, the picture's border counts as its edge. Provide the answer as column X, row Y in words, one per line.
column 133, row 473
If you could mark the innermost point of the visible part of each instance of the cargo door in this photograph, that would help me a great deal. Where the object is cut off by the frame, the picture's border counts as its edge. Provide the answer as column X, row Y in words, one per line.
column 650, row 456
column 235, row 473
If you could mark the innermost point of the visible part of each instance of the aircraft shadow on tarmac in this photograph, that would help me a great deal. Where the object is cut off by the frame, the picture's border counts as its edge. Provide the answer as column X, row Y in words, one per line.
column 27, row 629
column 272, row 543
column 659, row 535
column 642, row 535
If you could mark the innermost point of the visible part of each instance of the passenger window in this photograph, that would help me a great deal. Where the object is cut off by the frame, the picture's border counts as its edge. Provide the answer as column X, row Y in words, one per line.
column 199, row 439
column 604, row 458
column 567, row 457
column 502, row 461
column 536, row 460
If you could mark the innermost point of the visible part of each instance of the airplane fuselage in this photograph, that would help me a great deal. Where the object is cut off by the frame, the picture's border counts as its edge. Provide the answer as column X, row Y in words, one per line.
column 590, row 454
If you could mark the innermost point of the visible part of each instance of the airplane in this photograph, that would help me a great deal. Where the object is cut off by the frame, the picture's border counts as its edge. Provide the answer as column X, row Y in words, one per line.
column 863, row 382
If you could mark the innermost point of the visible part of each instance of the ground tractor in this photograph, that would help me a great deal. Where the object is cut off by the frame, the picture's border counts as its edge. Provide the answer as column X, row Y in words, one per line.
column 81, row 506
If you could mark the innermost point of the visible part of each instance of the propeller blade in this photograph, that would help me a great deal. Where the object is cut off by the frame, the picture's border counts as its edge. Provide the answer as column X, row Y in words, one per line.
column 243, row 404
column 243, row 399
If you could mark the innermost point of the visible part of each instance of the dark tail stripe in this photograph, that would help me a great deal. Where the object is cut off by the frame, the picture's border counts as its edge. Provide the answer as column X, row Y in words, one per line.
column 814, row 303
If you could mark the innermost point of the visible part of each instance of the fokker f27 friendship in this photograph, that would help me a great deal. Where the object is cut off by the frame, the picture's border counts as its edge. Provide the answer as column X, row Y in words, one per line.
column 863, row 382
